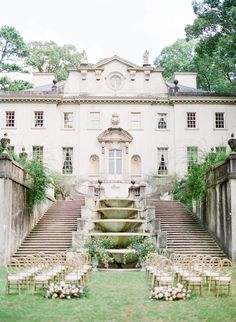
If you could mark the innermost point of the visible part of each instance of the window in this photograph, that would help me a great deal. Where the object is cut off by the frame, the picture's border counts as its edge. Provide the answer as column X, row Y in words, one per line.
column 135, row 120
column 162, row 121
column 38, row 153
column 192, row 156
column 38, row 119
column 94, row 121
column 162, row 161
column 115, row 161
column 219, row 120
column 191, row 120
column 68, row 120
column 67, row 167
column 10, row 119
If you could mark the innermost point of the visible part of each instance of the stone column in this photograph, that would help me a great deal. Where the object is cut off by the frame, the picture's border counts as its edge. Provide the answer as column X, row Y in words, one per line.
column 232, row 160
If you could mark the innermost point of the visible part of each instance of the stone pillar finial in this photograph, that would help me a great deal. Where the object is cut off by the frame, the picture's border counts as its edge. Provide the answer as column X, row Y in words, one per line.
column 232, row 143
column 146, row 59
column 5, row 141
column 83, row 58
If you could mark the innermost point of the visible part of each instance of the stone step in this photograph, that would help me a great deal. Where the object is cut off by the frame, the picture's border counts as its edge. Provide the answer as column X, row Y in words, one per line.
column 53, row 232
column 184, row 232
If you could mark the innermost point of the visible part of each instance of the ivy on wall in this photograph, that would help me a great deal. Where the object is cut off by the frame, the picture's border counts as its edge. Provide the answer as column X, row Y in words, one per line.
column 35, row 168
column 194, row 185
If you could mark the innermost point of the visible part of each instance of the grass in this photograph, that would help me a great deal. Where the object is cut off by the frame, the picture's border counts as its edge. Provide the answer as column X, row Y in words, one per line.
column 115, row 297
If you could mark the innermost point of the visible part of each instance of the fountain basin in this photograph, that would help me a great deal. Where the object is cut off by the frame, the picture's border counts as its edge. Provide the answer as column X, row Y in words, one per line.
column 117, row 202
column 118, row 212
column 116, row 225
column 120, row 240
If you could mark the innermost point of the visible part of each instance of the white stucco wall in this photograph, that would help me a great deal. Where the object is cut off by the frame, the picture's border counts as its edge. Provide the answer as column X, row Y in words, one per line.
column 176, row 137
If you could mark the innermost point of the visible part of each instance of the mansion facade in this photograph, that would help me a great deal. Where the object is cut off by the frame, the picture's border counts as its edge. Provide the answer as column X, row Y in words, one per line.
column 116, row 121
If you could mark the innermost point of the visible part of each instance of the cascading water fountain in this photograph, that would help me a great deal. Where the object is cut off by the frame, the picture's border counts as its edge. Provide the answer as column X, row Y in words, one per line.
column 120, row 219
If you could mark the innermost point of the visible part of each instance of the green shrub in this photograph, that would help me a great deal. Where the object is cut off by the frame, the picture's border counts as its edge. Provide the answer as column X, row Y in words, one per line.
column 194, row 185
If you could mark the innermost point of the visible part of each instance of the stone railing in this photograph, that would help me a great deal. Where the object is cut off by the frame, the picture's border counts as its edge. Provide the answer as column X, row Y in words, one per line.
column 218, row 212
column 16, row 219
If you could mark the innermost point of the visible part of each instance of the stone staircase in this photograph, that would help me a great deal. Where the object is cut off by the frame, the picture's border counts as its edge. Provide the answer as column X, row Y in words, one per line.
column 185, row 234
column 53, row 232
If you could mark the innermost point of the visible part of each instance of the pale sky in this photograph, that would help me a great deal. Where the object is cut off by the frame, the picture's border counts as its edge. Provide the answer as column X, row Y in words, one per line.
column 102, row 27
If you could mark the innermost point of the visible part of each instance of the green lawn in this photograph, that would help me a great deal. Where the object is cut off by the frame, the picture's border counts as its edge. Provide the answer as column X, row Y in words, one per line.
column 118, row 297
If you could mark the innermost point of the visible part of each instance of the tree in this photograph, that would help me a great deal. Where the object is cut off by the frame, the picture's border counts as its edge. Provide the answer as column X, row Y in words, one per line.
column 12, row 46
column 215, row 30
column 6, row 85
column 49, row 57
column 177, row 57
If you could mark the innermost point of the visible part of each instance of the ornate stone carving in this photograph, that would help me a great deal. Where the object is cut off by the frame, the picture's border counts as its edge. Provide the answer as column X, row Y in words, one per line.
column 84, row 74
column 98, row 73
column 115, row 120
column 83, row 58
column 147, row 75
column 146, row 58
column 114, row 134
column 132, row 74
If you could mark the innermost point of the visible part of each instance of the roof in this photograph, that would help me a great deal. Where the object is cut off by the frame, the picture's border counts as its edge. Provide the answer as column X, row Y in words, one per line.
column 187, row 90
column 45, row 88
column 115, row 57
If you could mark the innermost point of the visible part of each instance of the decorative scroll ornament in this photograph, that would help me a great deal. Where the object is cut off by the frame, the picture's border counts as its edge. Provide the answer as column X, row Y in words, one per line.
column 115, row 120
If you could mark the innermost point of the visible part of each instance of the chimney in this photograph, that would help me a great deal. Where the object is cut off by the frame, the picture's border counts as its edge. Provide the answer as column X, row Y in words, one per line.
column 186, row 78
column 41, row 79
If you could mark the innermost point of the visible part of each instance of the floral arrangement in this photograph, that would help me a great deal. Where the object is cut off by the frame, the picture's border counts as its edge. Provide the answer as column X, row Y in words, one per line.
column 63, row 291
column 97, row 247
column 142, row 247
column 169, row 293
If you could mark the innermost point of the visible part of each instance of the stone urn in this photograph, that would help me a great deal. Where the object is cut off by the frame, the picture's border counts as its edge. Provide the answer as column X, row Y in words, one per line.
column 5, row 142
column 232, row 143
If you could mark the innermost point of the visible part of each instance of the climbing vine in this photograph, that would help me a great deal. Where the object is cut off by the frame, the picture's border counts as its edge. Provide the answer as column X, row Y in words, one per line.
column 194, row 186
column 41, row 180
column 38, row 172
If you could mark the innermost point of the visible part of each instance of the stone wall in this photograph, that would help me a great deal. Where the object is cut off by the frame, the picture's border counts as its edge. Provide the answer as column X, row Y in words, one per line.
column 218, row 212
column 16, row 219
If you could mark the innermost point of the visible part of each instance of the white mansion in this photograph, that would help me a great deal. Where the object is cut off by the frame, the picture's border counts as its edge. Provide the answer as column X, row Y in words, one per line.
column 117, row 121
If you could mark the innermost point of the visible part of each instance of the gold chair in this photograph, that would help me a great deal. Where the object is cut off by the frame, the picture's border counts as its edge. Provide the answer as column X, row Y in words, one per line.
column 210, row 270
column 193, row 277
column 14, row 279
column 225, row 277
column 165, row 276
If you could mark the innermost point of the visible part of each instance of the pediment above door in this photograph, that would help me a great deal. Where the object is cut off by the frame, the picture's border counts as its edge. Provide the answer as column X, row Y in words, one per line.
column 115, row 134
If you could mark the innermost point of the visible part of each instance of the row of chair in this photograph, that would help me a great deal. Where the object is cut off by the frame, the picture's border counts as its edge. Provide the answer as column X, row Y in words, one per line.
column 39, row 270
column 194, row 271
